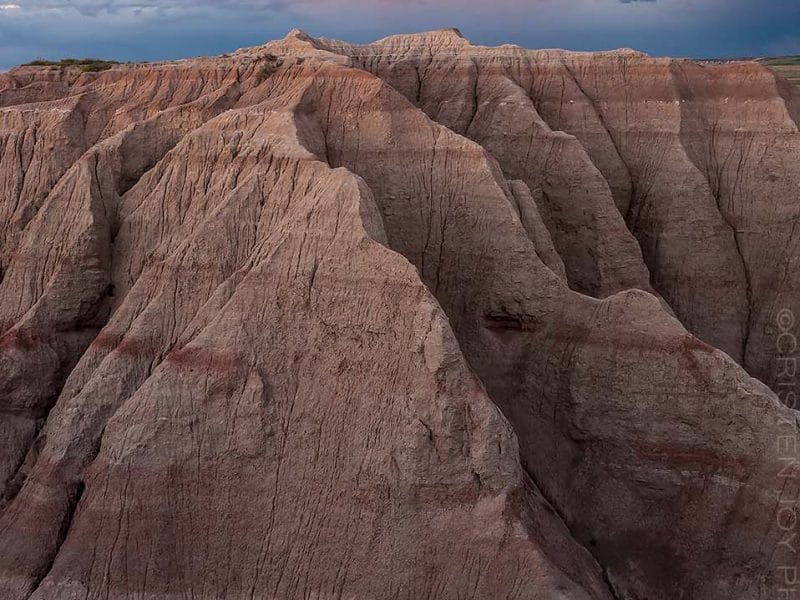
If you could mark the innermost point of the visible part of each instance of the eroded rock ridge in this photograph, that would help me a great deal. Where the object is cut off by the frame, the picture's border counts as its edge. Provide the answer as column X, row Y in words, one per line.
column 411, row 319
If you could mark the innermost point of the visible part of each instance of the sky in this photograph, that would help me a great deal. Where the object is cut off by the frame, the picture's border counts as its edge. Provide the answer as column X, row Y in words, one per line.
column 165, row 29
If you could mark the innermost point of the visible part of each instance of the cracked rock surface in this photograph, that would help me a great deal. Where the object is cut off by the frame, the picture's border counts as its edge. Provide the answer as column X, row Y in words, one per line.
column 411, row 319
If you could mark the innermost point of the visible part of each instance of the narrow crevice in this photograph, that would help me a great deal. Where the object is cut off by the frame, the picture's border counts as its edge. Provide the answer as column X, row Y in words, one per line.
column 127, row 181
column 16, row 480
column 717, row 194
column 749, row 296
column 475, row 104
column 74, row 497
column 614, row 142
column 714, row 175
column 611, row 588
column 418, row 95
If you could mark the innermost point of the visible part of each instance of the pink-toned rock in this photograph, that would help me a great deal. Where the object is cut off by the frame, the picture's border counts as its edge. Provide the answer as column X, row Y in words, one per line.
column 298, row 322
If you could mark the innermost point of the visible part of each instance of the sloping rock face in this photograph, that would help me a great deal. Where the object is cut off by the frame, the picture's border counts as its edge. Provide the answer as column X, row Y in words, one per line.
column 416, row 319
column 699, row 161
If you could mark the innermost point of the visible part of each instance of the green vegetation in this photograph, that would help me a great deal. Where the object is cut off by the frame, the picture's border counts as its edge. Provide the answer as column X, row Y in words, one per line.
column 785, row 66
column 782, row 61
column 86, row 65
column 269, row 64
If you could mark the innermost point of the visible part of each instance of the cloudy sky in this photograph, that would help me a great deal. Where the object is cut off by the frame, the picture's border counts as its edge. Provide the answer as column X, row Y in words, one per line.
column 153, row 29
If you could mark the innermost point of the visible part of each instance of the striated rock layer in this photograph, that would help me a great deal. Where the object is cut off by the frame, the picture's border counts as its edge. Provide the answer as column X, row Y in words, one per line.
column 413, row 319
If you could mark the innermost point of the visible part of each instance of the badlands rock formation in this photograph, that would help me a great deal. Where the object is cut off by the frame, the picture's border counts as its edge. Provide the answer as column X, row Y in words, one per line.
column 415, row 319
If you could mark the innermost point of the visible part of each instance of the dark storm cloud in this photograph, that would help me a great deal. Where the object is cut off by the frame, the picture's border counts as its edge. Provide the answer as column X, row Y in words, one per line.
column 113, row 6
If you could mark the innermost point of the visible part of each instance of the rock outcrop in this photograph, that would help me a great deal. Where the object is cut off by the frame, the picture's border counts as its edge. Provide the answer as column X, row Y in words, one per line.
column 413, row 319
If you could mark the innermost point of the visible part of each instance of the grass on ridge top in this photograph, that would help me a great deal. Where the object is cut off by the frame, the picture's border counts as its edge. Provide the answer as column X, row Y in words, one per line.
column 786, row 66
column 87, row 65
column 781, row 61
